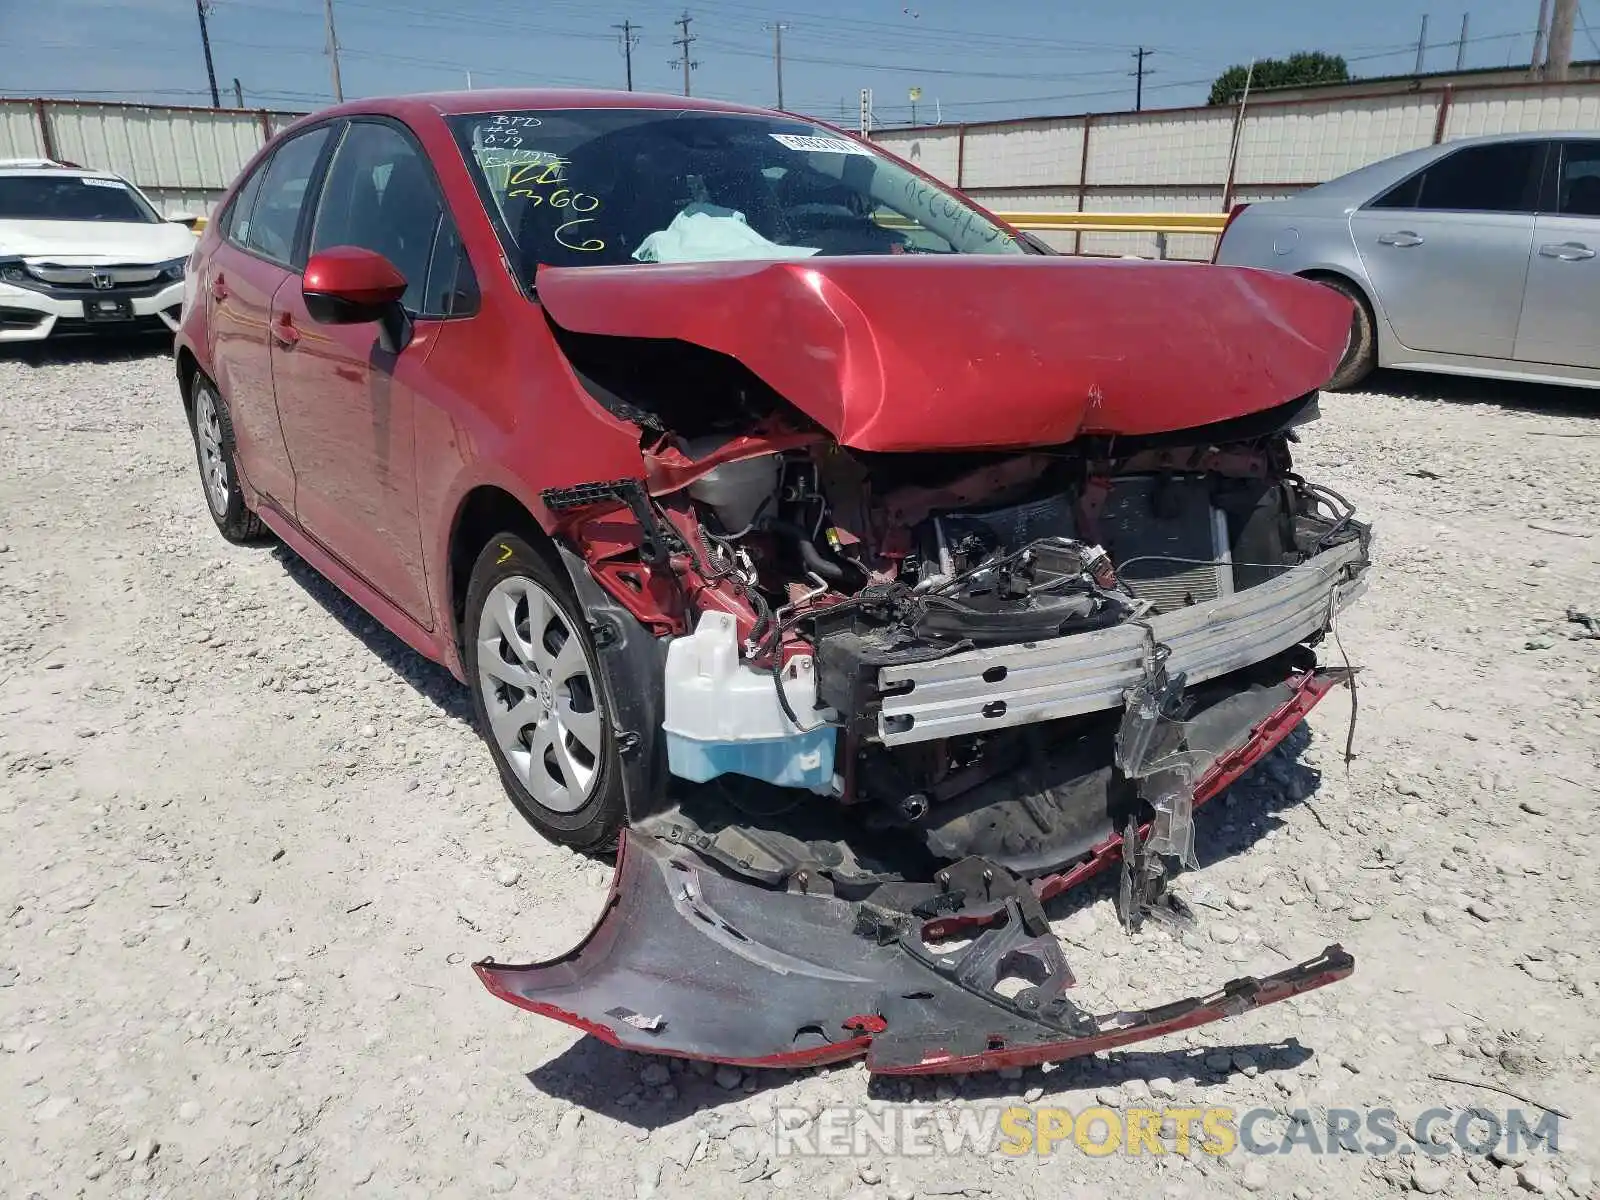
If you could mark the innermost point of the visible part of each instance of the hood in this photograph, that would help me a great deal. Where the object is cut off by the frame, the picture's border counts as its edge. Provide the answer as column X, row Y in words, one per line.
column 900, row 353
column 95, row 243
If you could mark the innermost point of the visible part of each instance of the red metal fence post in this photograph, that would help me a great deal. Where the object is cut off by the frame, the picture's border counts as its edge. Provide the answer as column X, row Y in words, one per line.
column 1444, row 112
column 47, row 139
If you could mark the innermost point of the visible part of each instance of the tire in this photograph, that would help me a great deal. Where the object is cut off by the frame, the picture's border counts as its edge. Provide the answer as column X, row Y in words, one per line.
column 537, row 696
column 1361, row 352
column 217, row 455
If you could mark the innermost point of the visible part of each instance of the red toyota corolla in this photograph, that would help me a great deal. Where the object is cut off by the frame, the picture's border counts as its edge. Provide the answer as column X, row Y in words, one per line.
column 867, row 571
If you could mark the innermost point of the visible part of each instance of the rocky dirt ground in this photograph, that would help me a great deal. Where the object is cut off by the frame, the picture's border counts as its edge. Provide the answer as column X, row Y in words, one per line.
column 249, row 844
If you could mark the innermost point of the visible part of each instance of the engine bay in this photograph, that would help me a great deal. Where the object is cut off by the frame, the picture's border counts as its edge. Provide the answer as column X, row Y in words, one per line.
column 965, row 648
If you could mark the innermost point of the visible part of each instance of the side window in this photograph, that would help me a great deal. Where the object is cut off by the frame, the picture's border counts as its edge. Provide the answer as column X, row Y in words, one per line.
column 276, row 217
column 381, row 196
column 452, row 289
column 1496, row 178
column 1578, row 194
column 236, row 222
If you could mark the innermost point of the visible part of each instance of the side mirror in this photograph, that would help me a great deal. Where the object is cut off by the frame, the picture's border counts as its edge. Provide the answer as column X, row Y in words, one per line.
column 350, row 285
column 192, row 221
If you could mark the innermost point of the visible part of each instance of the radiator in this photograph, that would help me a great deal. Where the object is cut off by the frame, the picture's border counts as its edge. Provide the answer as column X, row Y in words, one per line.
column 1149, row 521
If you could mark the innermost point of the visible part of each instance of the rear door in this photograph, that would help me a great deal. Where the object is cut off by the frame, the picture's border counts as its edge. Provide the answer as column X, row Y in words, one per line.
column 1561, row 314
column 1447, row 249
column 241, row 278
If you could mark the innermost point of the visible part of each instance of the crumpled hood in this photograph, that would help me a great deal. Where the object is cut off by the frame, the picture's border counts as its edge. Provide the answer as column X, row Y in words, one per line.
column 898, row 353
column 95, row 243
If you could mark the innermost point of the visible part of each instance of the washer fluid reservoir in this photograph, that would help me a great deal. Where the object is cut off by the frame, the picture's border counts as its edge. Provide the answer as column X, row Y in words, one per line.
column 723, row 716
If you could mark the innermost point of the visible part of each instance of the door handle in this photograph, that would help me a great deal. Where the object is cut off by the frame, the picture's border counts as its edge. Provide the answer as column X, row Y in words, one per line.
column 219, row 287
column 284, row 332
column 1566, row 251
column 1403, row 238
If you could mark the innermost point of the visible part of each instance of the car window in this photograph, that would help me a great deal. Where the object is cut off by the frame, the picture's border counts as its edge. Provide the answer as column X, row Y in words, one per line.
column 1495, row 178
column 452, row 289
column 1578, row 194
column 381, row 195
column 236, row 223
column 614, row 186
column 58, row 197
column 276, row 217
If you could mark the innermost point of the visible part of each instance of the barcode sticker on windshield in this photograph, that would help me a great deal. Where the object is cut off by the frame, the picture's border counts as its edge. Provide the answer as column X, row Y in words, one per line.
column 820, row 145
column 89, row 181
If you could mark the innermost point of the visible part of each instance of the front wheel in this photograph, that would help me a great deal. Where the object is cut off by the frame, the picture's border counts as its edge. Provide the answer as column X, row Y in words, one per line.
column 536, row 692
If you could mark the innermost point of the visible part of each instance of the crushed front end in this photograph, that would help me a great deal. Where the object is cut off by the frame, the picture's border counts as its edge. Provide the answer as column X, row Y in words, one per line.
column 873, row 699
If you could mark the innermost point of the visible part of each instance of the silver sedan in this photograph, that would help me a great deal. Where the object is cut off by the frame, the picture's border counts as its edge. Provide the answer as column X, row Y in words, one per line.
column 1475, row 257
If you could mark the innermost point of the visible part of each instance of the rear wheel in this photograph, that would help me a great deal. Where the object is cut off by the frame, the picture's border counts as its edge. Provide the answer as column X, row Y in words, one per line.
column 1361, row 349
column 217, row 456
column 537, row 695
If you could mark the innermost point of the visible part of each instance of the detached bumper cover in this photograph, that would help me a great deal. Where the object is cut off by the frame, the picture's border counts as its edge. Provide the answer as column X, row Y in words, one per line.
column 686, row 962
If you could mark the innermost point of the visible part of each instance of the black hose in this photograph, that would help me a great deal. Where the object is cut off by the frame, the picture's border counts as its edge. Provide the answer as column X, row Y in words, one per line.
column 833, row 572
column 712, row 571
column 783, row 697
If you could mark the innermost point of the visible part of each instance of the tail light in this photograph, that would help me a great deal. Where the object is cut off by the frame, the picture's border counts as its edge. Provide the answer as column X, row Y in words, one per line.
column 1233, row 215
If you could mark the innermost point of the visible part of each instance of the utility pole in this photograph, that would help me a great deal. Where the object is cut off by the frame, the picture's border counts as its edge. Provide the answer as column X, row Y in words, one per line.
column 777, row 57
column 333, row 50
column 866, row 112
column 1560, row 47
column 1541, row 39
column 202, row 7
column 1422, row 42
column 628, row 30
column 1461, row 42
column 1138, row 95
column 238, row 92
column 683, row 43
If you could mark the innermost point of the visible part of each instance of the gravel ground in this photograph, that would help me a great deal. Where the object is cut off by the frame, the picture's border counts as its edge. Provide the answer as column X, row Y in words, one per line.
column 251, row 843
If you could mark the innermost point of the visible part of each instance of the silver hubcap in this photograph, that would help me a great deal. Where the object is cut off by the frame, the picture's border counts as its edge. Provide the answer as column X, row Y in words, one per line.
column 540, row 694
column 213, row 463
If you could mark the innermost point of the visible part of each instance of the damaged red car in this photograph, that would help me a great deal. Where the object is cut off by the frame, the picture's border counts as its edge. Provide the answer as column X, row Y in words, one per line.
column 865, row 572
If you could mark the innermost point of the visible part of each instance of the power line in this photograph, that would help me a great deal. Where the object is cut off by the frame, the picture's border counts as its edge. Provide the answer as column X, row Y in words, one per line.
column 629, row 41
column 683, row 43
column 1584, row 22
column 739, row 50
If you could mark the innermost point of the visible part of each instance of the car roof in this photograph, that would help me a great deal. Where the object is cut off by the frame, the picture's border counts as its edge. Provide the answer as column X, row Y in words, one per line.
column 511, row 99
column 44, row 168
column 1365, row 182
column 449, row 104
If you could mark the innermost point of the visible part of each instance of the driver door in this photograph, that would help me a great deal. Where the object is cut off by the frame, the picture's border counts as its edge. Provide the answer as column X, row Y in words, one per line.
column 348, row 404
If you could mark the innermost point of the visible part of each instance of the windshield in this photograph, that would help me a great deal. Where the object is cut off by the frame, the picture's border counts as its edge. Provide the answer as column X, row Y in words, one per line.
column 71, row 198
column 611, row 186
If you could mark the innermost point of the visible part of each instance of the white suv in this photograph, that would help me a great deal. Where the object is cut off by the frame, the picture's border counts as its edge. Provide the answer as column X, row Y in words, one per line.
column 85, row 252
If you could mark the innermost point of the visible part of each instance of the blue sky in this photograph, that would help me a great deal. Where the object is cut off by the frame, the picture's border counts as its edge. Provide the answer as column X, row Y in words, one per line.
column 972, row 59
